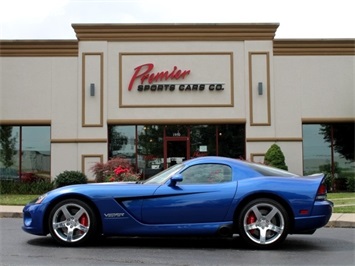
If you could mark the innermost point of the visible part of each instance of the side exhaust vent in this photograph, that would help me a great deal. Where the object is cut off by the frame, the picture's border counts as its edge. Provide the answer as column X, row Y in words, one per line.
column 225, row 231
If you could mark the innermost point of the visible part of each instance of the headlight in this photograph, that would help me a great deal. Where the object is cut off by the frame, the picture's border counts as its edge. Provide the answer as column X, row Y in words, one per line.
column 41, row 198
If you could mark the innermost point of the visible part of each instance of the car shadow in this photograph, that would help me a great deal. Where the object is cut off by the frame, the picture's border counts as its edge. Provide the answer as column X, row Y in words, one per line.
column 235, row 243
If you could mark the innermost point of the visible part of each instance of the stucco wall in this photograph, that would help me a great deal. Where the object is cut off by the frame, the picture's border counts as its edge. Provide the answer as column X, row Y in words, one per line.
column 305, row 81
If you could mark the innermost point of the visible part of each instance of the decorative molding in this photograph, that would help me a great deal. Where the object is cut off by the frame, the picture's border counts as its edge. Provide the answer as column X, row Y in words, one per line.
column 100, row 158
column 175, row 121
column 25, row 122
column 39, row 48
column 252, row 155
column 230, row 55
column 251, row 86
column 175, row 32
column 314, row 47
column 78, row 140
column 274, row 140
column 84, row 91
column 315, row 120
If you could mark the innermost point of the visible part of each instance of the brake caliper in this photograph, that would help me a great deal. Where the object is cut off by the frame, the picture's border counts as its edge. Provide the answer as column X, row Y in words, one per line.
column 83, row 220
column 250, row 220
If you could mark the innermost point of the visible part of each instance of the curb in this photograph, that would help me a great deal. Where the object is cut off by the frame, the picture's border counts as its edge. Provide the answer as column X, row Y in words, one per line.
column 11, row 211
column 11, row 215
column 342, row 220
column 340, row 224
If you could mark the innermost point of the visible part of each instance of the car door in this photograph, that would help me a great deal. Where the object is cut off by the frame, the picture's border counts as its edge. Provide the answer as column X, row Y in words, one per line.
column 204, row 195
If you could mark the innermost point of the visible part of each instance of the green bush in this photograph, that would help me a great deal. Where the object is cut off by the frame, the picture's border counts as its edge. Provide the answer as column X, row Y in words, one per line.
column 350, row 183
column 274, row 157
column 17, row 187
column 70, row 178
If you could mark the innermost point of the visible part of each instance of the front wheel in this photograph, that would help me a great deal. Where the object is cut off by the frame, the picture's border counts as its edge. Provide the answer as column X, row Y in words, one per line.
column 72, row 222
column 263, row 223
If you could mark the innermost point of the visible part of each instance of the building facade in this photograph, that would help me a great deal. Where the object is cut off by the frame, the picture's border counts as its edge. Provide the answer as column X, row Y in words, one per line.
column 163, row 93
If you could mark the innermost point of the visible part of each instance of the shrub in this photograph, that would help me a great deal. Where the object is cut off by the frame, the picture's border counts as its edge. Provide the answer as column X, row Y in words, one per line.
column 350, row 183
column 275, row 157
column 17, row 187
column 30, row 178
column 70, row 178
column 116, row 169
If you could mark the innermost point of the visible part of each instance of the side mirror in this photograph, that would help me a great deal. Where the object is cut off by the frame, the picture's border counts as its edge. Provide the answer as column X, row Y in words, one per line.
column 174, row 179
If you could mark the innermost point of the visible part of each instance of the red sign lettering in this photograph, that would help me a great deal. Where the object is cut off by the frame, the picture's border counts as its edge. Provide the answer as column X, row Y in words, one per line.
column 143, row 73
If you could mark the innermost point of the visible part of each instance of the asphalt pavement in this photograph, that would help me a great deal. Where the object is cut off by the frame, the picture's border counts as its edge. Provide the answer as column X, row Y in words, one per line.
column 339, row 220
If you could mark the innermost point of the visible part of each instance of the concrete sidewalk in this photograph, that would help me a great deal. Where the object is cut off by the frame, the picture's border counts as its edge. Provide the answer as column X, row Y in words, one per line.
column 10, row 211
column 341, row 220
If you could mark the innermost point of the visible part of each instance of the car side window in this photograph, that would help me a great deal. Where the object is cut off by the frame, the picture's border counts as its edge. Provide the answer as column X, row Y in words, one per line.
column 207, row 174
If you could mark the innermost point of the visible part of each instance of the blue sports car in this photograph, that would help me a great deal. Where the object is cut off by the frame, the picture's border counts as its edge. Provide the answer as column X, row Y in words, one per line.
column 206, row 196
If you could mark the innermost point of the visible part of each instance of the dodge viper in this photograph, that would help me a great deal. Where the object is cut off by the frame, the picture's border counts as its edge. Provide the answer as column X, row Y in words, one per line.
column 206, row 196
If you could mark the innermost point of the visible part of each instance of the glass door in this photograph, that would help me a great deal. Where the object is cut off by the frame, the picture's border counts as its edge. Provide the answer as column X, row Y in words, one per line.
column 176, row 145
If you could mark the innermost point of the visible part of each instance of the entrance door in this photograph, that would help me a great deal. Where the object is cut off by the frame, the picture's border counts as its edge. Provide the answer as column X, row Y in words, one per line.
column 176, row 150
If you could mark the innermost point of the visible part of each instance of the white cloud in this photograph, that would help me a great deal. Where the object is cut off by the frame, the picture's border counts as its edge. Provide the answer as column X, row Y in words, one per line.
column 52, row 19
column 29, row 10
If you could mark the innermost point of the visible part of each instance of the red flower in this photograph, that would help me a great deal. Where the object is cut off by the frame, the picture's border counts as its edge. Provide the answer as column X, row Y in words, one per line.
column 120, row 170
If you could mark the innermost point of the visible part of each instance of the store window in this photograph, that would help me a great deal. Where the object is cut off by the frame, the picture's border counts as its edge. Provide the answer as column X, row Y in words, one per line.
column 203, row 140
column 329, row 148
column 231, row 141
column 221, row 140
column 152, row 148
column 23, row 150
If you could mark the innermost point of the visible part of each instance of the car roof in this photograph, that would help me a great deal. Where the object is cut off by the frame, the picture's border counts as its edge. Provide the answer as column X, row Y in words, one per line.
column 251, row 169
column 215, row 159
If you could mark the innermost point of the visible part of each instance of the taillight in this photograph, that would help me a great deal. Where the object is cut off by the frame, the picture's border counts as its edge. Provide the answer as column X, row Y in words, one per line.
column 322, row 192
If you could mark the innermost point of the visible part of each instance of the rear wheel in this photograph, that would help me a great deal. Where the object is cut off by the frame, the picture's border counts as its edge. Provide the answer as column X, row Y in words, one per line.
column 263, row 223
column 72, row 222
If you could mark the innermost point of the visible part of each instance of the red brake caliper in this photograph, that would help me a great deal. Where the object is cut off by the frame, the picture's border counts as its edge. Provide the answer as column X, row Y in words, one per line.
column 250, row 220
column 84, row 221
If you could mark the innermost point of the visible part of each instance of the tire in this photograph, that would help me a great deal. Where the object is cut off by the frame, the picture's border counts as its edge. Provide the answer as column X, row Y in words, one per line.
column 263, row 223
column 72, row 223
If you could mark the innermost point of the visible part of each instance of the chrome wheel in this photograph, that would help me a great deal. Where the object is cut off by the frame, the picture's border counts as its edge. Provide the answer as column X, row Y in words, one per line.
column 71, row 222
column 263, row 223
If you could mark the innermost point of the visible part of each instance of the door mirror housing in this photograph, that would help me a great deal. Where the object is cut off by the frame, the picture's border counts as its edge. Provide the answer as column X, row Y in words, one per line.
column 175, row 178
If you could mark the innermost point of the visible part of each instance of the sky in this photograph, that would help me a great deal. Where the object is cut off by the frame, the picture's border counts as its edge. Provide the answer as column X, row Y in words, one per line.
column 301, row 19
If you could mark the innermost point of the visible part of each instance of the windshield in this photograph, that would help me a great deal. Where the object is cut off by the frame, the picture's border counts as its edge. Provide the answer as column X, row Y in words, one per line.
column 162, row 177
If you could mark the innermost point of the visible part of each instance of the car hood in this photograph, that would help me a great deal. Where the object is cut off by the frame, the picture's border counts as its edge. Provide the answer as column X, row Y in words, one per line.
column 104, row 190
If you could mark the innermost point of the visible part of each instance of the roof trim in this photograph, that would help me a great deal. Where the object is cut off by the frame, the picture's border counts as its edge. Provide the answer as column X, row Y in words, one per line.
column 39, row 48
column 314, row 47
column 174, row 121
column 175, row 32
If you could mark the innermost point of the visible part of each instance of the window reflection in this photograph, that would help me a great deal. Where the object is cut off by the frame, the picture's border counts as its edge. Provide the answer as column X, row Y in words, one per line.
column 203, row 140
column 35, row 150
column 24, row 149
column 329, row 148
column 150, row 149
column 231, row 141
column 316, row 151
column 207, row 174
column 122, row 141
column 144, row 144
column 9, row 152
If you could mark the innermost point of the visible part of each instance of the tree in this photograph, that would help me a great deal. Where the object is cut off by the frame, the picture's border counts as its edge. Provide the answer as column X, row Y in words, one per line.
column 343, row 138
column 7, row 143
column 275, row 157
column 150, row 142
column 117, row 141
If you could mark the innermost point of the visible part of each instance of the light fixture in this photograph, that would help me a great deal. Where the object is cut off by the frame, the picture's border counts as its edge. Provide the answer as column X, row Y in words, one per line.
column 92, row 89
column 260, row 88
